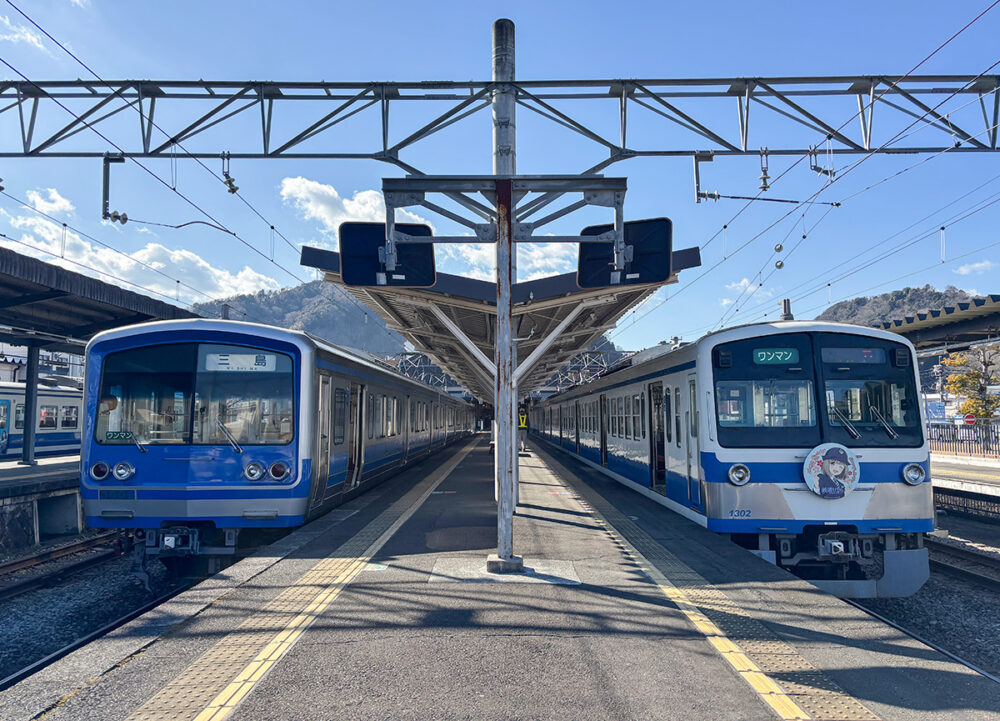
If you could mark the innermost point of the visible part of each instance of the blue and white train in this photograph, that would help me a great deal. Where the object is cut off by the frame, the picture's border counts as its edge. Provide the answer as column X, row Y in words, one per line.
column 801, row 440
column 198, row 431
column 57, row 420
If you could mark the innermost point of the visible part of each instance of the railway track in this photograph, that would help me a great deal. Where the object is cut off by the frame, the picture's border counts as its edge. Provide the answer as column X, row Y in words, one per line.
column 41, row 663
column 964, row 564
column 10, row 590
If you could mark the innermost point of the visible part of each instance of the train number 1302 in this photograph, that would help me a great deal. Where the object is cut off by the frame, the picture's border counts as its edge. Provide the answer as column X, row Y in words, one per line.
column 739, row 513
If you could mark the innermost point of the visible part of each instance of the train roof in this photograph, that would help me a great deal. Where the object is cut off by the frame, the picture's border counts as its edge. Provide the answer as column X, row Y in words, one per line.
column 655, row 353
column 19, row 387
column 298, row 337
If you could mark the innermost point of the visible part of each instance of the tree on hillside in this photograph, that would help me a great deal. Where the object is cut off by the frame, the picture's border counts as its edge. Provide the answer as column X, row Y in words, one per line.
column 974, row 371
column 872, row 310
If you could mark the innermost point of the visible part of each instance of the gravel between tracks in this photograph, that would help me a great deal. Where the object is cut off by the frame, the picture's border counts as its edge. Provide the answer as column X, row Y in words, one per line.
column 958, row 616
column 42, row 621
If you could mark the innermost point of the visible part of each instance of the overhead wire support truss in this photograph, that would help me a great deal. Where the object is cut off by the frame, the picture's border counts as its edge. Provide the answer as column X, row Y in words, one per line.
column 881, row 102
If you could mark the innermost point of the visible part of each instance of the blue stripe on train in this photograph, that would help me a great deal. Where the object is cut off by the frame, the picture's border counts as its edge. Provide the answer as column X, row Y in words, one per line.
column 219, row 521
column 716, row 471
column 785, row 525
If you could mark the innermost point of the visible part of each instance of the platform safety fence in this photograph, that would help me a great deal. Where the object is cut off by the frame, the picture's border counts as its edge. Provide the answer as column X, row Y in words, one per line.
column 981, row 439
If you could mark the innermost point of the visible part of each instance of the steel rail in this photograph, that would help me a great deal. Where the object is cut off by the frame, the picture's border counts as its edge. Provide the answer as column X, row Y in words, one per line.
column 990, row 582
column 54, row 553
column 57, row 576
column 38, row 665
column 921, row 639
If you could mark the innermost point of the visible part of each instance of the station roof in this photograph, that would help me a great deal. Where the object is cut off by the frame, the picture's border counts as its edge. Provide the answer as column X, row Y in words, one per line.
column 539, row 307
column 953, row 325
column 45, row 305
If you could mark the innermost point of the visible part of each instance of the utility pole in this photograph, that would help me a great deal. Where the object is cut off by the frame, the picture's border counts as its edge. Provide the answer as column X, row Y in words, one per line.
column 504, row 149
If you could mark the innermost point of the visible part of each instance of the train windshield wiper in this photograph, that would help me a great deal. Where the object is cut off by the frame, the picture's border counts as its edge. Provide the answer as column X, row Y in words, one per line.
column 138, row 443
column 855, row 434
column 229, row 436
column 888, row 429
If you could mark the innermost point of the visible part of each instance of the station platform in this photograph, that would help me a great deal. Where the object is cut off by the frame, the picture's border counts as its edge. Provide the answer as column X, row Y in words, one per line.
column 383, row 609
column 967, row 474
column 49, row 473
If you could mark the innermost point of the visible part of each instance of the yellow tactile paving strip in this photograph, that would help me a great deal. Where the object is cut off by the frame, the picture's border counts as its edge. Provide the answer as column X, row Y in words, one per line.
column 212, row 686
column 787, row 682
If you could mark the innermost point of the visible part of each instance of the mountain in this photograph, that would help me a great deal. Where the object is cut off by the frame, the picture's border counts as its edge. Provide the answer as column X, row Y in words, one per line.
column 320, row 308
column 871, row 310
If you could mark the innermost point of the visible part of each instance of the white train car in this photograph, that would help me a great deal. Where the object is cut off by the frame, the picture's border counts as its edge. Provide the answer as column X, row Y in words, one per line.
column 803, row 441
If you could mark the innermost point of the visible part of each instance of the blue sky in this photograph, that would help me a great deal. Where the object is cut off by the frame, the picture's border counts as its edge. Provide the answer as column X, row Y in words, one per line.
column 306, row 200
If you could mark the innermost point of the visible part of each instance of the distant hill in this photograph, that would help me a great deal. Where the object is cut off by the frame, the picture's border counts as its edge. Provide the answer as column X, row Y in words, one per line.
column 872, row 310
column 319, row 308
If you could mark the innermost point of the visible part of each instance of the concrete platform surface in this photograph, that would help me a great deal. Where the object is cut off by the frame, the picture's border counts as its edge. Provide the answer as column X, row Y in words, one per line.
column 384, row 610
column 972, row 475
column 48, row 474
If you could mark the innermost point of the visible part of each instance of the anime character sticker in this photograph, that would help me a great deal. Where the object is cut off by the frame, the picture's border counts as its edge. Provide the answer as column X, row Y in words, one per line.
column 831, row 470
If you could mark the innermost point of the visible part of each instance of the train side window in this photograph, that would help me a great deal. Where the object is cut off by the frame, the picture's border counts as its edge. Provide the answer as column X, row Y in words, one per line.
column 694, row 410
column 48, row 417
column 621, row 416
column 380, row 412
column 371, row 415
column 668, row 424
column 395, row 416
column 70, row 417
column 677, row 416
column 628, row 416
column 19, row 416
column 339, row 415
column 638, row 415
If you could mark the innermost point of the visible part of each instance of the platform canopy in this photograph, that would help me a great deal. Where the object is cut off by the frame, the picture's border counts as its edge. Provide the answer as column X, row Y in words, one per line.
column 43, row 305
column 955, row 326
column 553, row 318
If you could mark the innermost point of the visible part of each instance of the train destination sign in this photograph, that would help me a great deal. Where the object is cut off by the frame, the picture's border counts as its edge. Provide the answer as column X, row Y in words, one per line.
column 775, row 356
column 360, row 264
column 241, row 362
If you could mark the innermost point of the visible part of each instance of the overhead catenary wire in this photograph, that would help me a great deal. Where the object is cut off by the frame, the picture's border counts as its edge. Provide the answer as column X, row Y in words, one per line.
column 219, row 225
column 838, row 178
column 861, row 110
column 735, row 307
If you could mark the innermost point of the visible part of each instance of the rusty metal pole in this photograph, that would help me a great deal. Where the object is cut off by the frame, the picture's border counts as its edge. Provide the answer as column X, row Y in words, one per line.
column 505, row 404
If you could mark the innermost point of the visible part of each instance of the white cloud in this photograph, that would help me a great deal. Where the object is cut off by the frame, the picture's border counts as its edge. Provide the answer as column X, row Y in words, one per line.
column 12, row 33
column 322, row 202
column 46, row 239
column 982, row 266
column 80, row 3
column 534, row 260
column 54, row 204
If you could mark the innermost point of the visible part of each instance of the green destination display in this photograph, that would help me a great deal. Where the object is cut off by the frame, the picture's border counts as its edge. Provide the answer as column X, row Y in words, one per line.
column 775, row 356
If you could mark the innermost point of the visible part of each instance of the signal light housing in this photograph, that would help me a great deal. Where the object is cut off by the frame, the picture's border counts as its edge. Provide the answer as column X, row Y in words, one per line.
column 279, row 470
column 99, row 471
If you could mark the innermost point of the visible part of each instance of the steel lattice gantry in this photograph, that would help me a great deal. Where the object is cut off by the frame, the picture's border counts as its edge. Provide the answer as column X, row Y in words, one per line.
column 428, row 317
column 693, row 116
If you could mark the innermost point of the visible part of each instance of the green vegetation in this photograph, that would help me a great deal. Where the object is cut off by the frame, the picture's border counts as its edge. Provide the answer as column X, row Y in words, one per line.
column 973, row 372
column 319, row 308
column 873, row 310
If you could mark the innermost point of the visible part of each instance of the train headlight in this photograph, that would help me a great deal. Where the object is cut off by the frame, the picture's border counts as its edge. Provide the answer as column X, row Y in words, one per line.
column 123, row 470
column 914, row 474
column 254, row 471
column 99, row 471
column 739, row 474
column 279, row 470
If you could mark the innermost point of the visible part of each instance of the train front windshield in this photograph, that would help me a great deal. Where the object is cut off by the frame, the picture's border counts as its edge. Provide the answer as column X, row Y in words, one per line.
column 803, row 389
column 196, row 394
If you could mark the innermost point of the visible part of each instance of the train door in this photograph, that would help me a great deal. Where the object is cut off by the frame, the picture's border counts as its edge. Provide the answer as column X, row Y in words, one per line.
column 657, row 449
column 576, row 424
column 4, row 426
column 321, row 474
column 407, row 427
column 604, row 430
column 355, row 456
column 693, row 462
